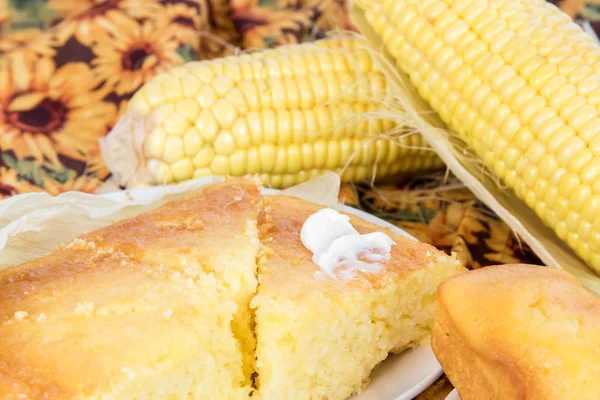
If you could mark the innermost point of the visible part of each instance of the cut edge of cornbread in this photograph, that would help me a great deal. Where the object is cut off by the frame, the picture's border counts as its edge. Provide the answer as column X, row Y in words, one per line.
column 322, row 338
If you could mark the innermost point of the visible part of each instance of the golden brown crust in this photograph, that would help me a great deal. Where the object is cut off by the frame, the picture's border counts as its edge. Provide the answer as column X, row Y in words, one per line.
column 73, row 322
column 175, row 229
column 293, row 267
column 518, row 332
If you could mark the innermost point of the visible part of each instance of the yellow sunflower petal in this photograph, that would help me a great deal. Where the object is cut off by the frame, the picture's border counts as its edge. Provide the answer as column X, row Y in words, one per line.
column 46, row 147
column 32, row 146
column 6, row 84
column 124, row 25
column 26, row 101
column 21, row 71
column 63, row 31
column 44, row 68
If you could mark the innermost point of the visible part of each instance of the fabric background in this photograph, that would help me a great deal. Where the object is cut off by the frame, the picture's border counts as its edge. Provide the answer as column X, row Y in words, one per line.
column 68, row 68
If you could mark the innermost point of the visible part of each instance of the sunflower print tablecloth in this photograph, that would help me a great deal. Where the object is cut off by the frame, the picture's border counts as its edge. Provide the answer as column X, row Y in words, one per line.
column 69, row 67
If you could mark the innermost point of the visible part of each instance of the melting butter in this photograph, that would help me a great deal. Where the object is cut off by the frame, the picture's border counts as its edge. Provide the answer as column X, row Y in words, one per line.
column 338, row 249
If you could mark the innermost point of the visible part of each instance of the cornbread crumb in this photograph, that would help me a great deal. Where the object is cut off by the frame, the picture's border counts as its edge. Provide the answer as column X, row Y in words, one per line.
column 76, row 243
column 129, row 372
column 167, row 314
column 20, row 315
column 41, row 317
column 86, row 308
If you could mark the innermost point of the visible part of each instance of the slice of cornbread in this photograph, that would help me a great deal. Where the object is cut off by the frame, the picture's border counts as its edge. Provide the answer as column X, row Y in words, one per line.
column 319, row 338
column 153, row 307
column 214, row 232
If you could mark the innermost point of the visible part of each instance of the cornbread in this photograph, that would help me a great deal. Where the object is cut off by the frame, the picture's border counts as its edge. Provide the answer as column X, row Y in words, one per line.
column 167, row 305
column 518, row 332
column 318, row 337
column 152, row 307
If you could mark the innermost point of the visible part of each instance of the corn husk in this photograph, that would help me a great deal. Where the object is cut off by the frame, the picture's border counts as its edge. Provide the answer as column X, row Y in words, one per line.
column 33, row 224
column 466, row 166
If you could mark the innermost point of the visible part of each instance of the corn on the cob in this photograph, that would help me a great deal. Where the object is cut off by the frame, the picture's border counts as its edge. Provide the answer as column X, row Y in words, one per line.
column 520, row 83
column 281, row 114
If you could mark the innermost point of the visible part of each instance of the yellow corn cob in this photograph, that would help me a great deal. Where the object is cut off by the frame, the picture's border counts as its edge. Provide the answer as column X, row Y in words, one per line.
column 520, row 83
column 281, row 114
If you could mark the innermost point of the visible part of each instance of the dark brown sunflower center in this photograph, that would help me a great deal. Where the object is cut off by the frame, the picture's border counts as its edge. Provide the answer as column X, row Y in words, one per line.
column 7, row 190
column 184, row 21
column 134, row 59
column 48, row 116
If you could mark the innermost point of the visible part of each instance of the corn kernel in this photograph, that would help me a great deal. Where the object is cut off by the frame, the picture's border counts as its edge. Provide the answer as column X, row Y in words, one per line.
column 207, row 125
column 284, row 128
column 189, row 108
column 280, row 160
column 191, row 85
column 202, row 172
column 160, row 171
column 308, row 156
column 220, row 165
column 201, row 71
column 254, row 165
column 182, row 169
column 320, row 153
column 204, row 157
column 222, row 84
column 298, row 126
column 269, row 125
column 176, row 124
column 236, row 98
column 238, row 162
column 224, row 143
column 206, row 97
column 161, row 113
column 268, row 154
column 172, row 88
column 173, row 150
column 192, row 142
column 294, row 159
column 255, row 125
column 153, row 93
column 139, row 105
column 155, row 143
column 225, row 113
column 333, row 155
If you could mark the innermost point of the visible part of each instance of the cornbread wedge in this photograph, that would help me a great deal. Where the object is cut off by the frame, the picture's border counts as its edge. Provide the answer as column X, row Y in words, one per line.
column 319, row 338
column 152, row 307
column 518, row 332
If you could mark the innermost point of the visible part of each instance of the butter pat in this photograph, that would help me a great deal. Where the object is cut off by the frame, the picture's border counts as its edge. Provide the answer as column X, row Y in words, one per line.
column 338, row 249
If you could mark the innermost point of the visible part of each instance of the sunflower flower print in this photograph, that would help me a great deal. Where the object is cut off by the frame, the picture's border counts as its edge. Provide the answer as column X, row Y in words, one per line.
column 83, row 183
column 128, row 53
column 31, row 42
column 189, row 20
column 86, row 25
column 12, row 184
column 47, row 113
